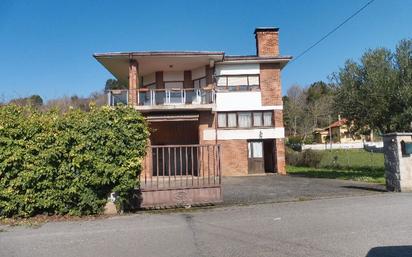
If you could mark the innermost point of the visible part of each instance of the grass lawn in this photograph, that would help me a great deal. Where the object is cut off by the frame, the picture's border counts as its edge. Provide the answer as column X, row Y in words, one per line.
column 351, row 164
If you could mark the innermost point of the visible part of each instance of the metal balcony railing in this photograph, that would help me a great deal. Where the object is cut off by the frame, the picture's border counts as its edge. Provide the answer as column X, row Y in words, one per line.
column 152, row 97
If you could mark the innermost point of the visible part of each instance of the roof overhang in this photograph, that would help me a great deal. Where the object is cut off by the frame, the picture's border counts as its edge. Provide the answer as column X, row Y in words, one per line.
column 282, row 60
column 149, row 62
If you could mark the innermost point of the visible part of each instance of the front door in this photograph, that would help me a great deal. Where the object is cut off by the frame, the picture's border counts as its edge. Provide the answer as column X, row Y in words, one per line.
column 256, row 162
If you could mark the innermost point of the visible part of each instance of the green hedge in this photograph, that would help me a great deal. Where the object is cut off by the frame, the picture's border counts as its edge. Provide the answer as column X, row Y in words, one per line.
column 305, row 158
column 68, row 163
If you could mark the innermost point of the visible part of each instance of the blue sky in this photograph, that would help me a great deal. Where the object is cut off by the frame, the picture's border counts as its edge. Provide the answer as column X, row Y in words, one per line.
column 46, row 47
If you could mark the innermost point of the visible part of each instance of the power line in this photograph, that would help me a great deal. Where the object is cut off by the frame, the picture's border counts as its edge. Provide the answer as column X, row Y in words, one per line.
column 333, row 30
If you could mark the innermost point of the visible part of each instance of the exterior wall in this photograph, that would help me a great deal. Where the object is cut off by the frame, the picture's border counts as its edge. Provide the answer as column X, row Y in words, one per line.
column 248, row 100
column 234, row 159
column 206, row 121
column 181, row 197
column 159, row 80
column 237, row 69
column 188, row 83
column 398, row 165
column 199, row 73
column 149, row 79
column 267, row 43
column 209, row 75
column 173, row 75
column 233, row 134
column 270, row 86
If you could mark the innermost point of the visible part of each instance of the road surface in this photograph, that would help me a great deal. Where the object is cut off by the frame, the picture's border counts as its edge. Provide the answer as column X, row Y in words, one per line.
column 375, row 225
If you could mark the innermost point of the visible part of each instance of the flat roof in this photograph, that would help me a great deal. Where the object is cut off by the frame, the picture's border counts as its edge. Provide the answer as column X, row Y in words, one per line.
column 158, row 53
column 117, row 63
column 264, row 29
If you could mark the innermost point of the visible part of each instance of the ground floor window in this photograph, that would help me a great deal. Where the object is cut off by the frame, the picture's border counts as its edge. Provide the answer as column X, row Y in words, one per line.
column 255, row 149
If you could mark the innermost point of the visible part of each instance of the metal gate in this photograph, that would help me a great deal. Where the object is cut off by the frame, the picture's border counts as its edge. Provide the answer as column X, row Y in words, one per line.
column 181, row 175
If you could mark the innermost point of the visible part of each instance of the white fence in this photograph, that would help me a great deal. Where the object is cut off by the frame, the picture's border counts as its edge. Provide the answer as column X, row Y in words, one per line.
column 369, row 146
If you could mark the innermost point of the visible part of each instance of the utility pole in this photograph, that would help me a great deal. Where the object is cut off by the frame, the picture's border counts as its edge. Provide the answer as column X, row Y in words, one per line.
column 330, row 132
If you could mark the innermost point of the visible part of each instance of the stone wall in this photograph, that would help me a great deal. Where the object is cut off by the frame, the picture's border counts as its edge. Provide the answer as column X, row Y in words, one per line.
column 398, row 165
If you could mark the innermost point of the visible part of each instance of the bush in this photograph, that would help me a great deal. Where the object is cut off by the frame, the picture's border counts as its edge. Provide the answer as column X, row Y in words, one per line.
column 306, row 158
column 68, row 163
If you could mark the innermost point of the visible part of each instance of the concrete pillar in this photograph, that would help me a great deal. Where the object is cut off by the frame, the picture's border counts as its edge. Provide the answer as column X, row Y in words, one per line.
column 209, row 76
column 398, row 161
column 280, row 161
column 147, row 163
column 133, row 82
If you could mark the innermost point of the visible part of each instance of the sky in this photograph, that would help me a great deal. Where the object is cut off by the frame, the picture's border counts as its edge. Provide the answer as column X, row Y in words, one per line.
column 46, row 47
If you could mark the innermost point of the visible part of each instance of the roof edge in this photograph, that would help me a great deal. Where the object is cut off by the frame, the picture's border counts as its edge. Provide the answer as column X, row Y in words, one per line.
column 157, row 53
column 266, row 29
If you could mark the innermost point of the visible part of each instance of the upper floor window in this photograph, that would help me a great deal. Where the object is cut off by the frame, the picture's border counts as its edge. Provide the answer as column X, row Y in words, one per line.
column 237, row 82
column 244, row 119
column 199, row 83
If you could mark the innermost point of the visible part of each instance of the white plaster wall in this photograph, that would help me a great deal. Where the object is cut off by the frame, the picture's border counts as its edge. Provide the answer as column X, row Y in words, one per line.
column 230, row 134
column 237, row 69
column 241, row 101
column 173, row 76
column 199, row 73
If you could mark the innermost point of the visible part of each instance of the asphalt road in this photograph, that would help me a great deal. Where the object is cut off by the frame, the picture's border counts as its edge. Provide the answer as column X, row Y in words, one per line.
column 376, row 225
column 274, row 188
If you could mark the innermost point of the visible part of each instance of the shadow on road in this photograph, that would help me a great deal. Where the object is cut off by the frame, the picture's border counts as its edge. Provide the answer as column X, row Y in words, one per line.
column 374, row 189
column 390, row 251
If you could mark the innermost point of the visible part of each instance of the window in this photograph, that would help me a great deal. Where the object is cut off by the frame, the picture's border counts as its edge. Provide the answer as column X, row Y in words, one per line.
column 231, row 120
column 238, row 82
column 255, row 149
column 221, row 81
column 257, row 119
column 254, row 80
column 245, row 119
column 199, row 83
column 267, row 119
column 221, row 120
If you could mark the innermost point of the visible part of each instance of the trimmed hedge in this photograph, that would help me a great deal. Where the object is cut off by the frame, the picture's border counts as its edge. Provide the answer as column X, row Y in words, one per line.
column 54, row 163
column 305, row 158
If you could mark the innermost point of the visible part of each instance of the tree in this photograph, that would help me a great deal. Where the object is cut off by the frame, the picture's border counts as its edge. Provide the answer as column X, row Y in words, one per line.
column 294, row 103
column 114, row 84
column 377, row 91
column 308, row 108
column 33, row 100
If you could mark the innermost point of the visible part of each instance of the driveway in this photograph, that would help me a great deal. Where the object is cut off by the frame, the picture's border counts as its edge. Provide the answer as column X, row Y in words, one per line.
column 276, row 188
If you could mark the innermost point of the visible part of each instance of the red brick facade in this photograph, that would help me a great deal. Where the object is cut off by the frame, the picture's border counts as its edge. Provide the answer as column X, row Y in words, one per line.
column 267, row 42
column 270, row 86
column 280, row 161
column 234, row 157
column 133, row 82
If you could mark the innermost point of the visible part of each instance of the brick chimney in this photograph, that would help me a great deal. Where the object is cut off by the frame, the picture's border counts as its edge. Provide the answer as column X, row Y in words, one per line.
column 267, row 41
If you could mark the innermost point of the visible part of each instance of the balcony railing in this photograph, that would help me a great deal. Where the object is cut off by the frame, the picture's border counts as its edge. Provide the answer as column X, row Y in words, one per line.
column 152, row 97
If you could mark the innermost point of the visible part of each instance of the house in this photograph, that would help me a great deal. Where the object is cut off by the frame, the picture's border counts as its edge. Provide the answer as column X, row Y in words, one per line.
column 208, row 111
column 341, row 133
